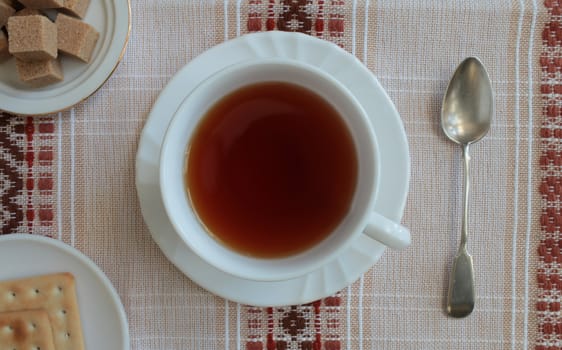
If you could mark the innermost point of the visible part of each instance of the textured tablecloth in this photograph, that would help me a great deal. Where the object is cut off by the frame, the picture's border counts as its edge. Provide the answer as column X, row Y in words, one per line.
column 71, row 176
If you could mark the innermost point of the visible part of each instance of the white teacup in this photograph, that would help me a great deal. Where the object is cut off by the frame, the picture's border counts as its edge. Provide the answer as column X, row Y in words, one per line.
column 360, row 219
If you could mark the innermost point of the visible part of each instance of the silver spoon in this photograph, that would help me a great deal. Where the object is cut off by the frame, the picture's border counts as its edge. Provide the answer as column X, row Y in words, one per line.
column 466, row 115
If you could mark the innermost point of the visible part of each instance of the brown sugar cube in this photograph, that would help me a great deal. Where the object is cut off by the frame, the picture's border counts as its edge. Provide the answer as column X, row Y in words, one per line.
column 75, row 7
column 12, row 3
column 28, row 12
column 32, row 38
column 75, row 37
column 42, row 4
column 4, row 54
column 5, row 12
column 39, row 73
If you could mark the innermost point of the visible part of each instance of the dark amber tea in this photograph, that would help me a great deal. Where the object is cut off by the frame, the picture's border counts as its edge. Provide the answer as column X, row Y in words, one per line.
column 271, row 169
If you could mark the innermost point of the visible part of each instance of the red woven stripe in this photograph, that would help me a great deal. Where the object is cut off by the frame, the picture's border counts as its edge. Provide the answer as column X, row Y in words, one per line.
column 313, row 326
column 26, row 175
column 549, row 281
column 29, row 157
column 321, row 18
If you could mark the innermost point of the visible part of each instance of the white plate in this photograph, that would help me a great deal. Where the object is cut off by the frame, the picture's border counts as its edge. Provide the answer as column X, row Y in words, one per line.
column 104, row 322
column 395, row 163
column 111, row 18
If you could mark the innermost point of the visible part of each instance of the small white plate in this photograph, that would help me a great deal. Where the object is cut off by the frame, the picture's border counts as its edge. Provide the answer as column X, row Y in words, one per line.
column 112, row 19
column 104, row 323
column 394, row 178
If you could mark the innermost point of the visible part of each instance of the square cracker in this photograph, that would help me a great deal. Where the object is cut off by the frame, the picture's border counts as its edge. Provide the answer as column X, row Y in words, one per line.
column 26, row 330
column 56, row 294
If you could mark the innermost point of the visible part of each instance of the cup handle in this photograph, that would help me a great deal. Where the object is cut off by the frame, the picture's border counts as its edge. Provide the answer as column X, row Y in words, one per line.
column 387, row 232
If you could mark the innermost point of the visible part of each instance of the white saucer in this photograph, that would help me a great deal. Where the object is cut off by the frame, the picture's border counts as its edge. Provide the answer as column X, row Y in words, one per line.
column 111, row 18
column 395, row 172
column 104, row 322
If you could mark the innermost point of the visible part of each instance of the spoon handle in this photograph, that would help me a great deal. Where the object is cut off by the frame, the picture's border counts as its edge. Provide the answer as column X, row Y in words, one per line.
column 460, row 301
column 464, row 228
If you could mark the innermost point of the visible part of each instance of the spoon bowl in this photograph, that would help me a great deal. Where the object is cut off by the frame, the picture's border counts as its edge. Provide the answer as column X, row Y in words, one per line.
column 466, row 116
column 468, row 105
